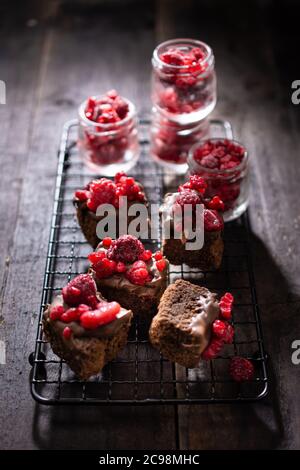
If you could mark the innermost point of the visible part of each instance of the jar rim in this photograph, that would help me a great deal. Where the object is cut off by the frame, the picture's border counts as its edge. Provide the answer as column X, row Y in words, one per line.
column 209, row 58
column 215, row 171
column 109, row 126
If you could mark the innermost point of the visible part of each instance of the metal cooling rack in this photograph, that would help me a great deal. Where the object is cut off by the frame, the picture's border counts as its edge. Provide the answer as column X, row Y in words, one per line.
column 140, row 375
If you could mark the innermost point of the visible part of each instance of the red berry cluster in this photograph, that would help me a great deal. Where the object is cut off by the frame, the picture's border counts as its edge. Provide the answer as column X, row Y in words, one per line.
column 222, row 331
column 84, row 306
column 221, row 156
column 182, row 88
column 106, row 191
column 241, row 369
column 126, row 256
column 109, row 108
column 193, row 192
column 108, row 140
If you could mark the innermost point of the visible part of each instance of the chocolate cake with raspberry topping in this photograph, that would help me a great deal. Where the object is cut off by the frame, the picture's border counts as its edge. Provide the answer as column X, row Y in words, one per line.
column 191, row 324
column 105, row 191
column 83, row 328
column 193, row 193
column 128, row 273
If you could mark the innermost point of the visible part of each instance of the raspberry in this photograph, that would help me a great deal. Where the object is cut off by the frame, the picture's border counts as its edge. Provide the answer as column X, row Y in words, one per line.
column 161, row 265
column 82, row 194
column 67, row 332
column 172, row 57
column 213, row 349
column 121, row 267
column 223, row 331
column 56, row 312
column 184, row 187
column 241, row 369
column 188, row 197
column 198, row 183
column 109, row 108
column 126, row 249
column 138, row 273
column 102, row 191
column 158, row 255
column 104, row 268
column 106, row 242
column 81, row 290
column 119, row 175
column 105, row 313
column 219, row 328
column 146, row 255
column 213, row 221
column 225, row 305
column 209, row 162
column 96, row 256
column 216, row 203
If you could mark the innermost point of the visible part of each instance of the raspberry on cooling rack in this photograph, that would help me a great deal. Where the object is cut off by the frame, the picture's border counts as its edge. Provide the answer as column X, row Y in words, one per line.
column 128, row 273
column 192, row 194
column 105, row 191
column 83, row 328
column 190, row 325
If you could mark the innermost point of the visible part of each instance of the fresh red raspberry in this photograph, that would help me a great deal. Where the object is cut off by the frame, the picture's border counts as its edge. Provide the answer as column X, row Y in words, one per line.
column 198, row 183
column 97, row 256
column 106, row 242
column 241, row 369
column 172, row 57
column 80, row 290
column 138, row 273
column 213, row 221
column 188, row 197
column 216, row 203
column 104, row 268
column 56, row 312
column 102, row 191
column 106, row 312
column 223, row 330
column 119, row 175
column 219, row 328
column 82, row 194
column 126, row 249
column 161, row 265
column 213, row 349
column 158, row 255
column 225, row 305
column 146, row 255
column 121, row 267
column 67, row 333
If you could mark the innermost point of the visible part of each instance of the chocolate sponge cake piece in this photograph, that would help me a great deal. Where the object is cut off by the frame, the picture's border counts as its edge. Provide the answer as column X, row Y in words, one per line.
column 85, row 350
column 182, row 328
column 105, row 191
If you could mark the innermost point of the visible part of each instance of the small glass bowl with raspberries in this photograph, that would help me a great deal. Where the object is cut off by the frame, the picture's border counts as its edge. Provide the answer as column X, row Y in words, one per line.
column 224, row 165
column 108, row 134
column 184, row 80
column 170, row 142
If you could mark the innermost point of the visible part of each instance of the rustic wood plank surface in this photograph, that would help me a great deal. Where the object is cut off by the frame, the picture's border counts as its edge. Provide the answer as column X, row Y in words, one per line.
column 49, row 68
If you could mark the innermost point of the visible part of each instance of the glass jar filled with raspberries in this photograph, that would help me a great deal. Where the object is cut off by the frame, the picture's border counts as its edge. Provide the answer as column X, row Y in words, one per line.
column 223, row 163
column 108, row 136
column 184, row 80
column 171, row 142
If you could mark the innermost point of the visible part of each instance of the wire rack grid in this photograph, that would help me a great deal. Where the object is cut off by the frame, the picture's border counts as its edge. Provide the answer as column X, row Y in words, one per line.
column 140, row 375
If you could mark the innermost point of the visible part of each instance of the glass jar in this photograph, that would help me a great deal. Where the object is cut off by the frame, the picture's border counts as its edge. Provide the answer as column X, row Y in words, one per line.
column 223, row 163
column 108, row 148
column 170, row 142
column 185, row 92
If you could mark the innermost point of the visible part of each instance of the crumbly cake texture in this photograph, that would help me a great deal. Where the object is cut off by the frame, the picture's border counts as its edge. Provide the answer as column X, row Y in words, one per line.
column 86, row 356
column 209, row 257
column 181, row 330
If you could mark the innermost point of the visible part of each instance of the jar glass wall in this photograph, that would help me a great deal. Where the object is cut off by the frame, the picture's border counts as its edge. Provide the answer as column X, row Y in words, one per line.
column 224, row 164
column 184, row 80
column 108, row 148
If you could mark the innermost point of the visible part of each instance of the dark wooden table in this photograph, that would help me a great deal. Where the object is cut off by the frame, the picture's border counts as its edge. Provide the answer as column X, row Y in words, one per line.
column 50, row 66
